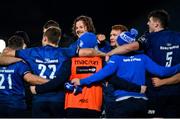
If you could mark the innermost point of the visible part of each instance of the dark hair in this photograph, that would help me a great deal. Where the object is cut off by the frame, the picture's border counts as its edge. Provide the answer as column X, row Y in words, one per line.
column 15, row 42
column 53, row 34
column 87, row 22
column 24, row 35
column 119, row 27
column 160, row 15
column 50, row 23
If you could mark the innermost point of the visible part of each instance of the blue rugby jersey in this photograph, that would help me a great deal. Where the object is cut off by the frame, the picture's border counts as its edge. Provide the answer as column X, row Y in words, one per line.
column 46, row 62
column 163, row 48
column 12, row 91
column 87, row 40
column 104, row 46
column 131, row 68
column 53, row 84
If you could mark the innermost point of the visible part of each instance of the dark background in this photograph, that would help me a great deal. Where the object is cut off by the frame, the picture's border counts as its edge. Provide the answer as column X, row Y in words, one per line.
column 30, row 16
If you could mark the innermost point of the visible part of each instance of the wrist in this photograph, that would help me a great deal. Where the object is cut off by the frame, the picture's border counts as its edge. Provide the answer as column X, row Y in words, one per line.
column 143, row 89
column 162, row 82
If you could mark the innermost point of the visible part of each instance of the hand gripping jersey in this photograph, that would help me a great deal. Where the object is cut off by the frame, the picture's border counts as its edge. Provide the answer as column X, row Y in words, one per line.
column 91, row 96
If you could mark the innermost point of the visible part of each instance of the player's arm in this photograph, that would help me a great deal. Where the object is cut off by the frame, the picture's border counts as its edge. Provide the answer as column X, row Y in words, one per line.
column 8, row 52
column 33, row 79
column 123, row 49
column 7, row 57
column 157, row 82
column 141, row 43
column 57, row 83
column 119, row 83
column 6, row 60
column 90, row 52
column 106, row 71
column 158, row 70
column 24, row 71
column 76, row 51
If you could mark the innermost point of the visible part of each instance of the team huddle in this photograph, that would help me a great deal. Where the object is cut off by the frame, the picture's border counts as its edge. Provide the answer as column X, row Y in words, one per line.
column 126, row 76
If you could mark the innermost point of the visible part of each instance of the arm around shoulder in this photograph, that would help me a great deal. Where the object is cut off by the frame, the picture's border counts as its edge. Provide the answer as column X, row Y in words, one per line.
column 123, row 49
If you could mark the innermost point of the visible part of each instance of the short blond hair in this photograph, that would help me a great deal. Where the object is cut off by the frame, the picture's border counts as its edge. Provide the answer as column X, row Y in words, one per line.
column 119, row 27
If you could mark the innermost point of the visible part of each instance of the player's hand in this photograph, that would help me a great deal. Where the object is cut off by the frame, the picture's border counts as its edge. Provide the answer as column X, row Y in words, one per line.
column 33, row 90
column 143, row 89
column 75, row 81
column 107, row 58
column 101, row 37
column 157, row 82
column 6, row 51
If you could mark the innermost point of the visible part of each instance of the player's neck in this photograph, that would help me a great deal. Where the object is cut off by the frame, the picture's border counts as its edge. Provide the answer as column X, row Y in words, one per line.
column 159, row 29
column 53, row 45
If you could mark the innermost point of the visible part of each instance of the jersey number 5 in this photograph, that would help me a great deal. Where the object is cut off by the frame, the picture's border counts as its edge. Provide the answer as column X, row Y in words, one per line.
column 169, row 59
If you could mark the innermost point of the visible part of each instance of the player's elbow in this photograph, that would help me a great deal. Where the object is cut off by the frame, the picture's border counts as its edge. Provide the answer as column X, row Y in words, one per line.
column 133, row 46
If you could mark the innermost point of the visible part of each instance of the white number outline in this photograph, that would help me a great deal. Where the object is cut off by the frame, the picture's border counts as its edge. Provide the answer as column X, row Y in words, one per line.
column 2, row 79
column 169, row 59
column 43, row 68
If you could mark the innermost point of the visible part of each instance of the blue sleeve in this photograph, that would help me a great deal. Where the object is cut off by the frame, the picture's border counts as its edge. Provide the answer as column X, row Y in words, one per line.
column 57, row 83
column 88, row 40
column 122, row 84
column 106, row 71
column 23, row 68
column 158, row 70
column 70, row 52
column 104, row 46
column 24, row 53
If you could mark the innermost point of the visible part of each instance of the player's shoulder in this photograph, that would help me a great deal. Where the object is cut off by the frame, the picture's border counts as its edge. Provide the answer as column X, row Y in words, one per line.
column 88, row 35
column 116, row 56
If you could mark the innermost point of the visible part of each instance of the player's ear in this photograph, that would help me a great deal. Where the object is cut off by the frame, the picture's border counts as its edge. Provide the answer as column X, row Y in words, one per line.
column 45, row 39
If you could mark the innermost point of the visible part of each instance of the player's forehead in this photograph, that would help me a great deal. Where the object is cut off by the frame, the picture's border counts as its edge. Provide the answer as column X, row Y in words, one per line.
column 115, row 31
column 80, row 23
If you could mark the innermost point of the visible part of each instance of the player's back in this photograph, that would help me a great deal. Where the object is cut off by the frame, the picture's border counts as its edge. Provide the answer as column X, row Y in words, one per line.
column 12, row 91
column 164, row 50
column 164, row 47
column 46, row 62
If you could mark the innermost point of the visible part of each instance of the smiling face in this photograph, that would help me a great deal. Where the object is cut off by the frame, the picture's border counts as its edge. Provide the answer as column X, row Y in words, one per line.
column 116, row 30
column 80, row 28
